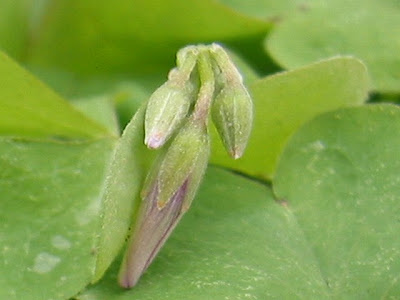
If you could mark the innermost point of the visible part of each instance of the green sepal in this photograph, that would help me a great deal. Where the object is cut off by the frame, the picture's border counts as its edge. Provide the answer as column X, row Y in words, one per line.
column 187, row 152
column 166, row 109
column 232, row 114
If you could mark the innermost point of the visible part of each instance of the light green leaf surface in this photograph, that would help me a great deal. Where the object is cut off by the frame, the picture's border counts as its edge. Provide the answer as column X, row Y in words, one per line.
column 100, row 109
column 340, row 177
column 131, row 162
column 285, row 101
column 125, row 92
column 132, row 36
column 368, row 29
column 30, row 109
column 72, row 85
column 50, row 197
column 235, row 242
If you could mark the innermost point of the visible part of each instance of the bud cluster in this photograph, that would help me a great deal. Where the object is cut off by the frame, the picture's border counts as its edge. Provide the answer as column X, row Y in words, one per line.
column 204, row 82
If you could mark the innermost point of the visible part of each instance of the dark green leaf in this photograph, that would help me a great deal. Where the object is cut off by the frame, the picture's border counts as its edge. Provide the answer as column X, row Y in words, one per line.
column 136, row 37
column 14, row 23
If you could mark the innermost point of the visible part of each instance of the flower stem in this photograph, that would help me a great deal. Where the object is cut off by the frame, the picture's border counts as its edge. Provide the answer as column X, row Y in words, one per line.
column 207, row 87
column 186, row 63
column 226, row 65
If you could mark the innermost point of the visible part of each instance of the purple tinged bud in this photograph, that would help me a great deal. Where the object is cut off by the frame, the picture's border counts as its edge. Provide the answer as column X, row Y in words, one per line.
column 152, row 229
column 168, row 193
column 201, row 72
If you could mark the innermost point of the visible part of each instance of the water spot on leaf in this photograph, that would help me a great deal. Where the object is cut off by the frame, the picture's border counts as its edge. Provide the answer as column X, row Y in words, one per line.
column 60, row 242
column 86, row 215
column 45, row 262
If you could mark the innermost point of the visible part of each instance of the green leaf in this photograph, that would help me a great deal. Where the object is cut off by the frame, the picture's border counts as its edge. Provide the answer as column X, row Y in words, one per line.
column 369, row 30
column 130, row 163
column 340, row 177
column 285, row 101
column 235, row 242
column 49, row 216
column 133, row 37
column 29, row 109
column 334, row 236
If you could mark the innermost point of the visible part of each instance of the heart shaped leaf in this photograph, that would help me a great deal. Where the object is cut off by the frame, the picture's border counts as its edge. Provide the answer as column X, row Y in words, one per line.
column 340, row 176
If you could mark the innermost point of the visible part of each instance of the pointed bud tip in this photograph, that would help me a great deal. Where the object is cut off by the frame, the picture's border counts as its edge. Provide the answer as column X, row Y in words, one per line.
column 161, row 204
column 127, row 282
column 236, row 153
column 154, row 141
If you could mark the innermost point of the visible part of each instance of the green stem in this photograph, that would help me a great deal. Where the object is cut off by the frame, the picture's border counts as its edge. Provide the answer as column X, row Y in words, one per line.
column 207, row 86
column 185, row 67
column 226, row 65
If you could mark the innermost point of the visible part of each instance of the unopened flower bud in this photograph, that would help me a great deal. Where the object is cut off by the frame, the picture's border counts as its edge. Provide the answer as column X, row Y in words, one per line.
column 232, row 114
column 166, row 109
column 188, row 151
column 201, row 73
column 169, row 193
column 152, row 229
column 170, row 103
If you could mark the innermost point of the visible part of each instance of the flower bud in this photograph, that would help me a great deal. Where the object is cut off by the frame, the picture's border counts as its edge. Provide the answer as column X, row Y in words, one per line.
column 232, row 114
column 169, row 193
column 201, row 73
column 166, row 109
column 188, row 151
column 152, row 229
